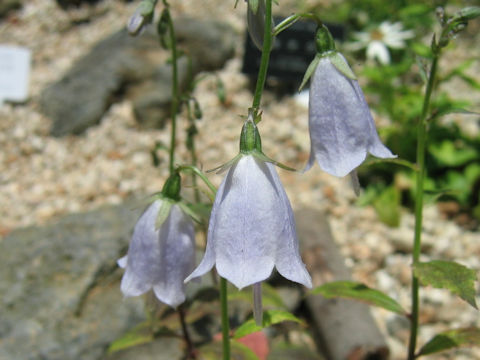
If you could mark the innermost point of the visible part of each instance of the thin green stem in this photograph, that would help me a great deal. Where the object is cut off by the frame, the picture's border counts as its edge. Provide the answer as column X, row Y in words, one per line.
column 292, row 19
column 267, row 45
column 175, row 93
column 421, row 143
column 225, row 323
column 186, row 335
column 191, row 132
column 257, row 303
column 202, row 176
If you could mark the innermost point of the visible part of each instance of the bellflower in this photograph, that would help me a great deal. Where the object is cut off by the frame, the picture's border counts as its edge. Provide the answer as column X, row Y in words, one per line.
column 252, row 228
column 161, row 253
column 142, row 16
column 342, row 130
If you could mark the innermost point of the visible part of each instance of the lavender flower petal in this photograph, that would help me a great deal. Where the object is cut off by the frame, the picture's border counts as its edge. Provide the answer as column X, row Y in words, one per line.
column 342, row 130
column 251, row 227
column 159, row 258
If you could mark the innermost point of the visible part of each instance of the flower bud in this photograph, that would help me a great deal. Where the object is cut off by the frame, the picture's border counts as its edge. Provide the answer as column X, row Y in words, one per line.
column 250, row 137
column 171, row 188
column 324, row 42
column 143, row 16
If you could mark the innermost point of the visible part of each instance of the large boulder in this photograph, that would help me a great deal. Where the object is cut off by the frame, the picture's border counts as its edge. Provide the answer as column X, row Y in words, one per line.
column 121, row 65
column 59, row 292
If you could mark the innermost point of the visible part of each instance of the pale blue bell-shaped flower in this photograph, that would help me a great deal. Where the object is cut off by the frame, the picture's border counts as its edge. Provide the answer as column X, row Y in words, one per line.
column 252, row 228
column 342, row 130
column 160, row 256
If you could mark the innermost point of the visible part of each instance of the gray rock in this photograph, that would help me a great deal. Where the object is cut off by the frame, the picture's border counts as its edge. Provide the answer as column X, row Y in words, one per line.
column 344, row 329
column 121, row 65
column 152, row 98
column 59, row 293
column 65, row 4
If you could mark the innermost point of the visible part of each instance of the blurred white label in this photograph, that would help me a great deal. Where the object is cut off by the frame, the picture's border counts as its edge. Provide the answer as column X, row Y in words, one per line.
column 14, row 73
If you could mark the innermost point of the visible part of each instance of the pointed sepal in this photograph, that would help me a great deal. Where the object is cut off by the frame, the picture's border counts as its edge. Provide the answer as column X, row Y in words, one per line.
column 310, row 70
column 341, row 65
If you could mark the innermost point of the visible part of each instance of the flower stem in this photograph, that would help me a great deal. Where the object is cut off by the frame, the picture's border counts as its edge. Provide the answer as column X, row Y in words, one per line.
column 257, row 303
column 202, row 176
column 191, row 132
column 175, row 93
column 225, row 323
column 190, row 348
column 421, row 143
column 267, row 45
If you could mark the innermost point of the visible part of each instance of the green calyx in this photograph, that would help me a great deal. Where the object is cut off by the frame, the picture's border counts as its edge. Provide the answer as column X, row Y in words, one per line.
column 324, row 41
column 326, row 49
column 250, row 144
column 250, row 138
column 171, row 188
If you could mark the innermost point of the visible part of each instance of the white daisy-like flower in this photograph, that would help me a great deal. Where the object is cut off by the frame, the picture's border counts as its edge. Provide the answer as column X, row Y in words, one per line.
column 379, row 39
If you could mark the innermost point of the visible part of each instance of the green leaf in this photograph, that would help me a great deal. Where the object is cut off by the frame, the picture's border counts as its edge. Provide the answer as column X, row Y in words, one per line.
column 357, row 291
column 451, row 339
column 270, row 297
column 397, row 161
column 455, row 154
column 387, row 206
column 448, row 275
column 270, row 317
column 238, row 350
column 424, row 51
column 467, row 13
column 140, row 334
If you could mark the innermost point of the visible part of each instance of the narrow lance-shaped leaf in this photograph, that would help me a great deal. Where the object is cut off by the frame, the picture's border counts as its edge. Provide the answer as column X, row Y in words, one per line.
column 270, row 317
column 448, row 275
column 140, row 334
column 451, row 339
column 357, row 291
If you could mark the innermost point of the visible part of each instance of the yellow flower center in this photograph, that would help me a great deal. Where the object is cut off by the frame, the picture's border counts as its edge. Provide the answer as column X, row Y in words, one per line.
column 376, row 35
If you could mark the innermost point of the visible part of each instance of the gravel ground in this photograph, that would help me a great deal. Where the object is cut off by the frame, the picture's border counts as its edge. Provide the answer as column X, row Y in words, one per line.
column 42, row 177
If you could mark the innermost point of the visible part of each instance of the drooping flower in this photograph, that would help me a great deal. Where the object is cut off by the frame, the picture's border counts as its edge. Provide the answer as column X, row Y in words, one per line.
column 142, row 16
column 342, row 130
column 252, row 228
column 161, row 253
column 379, row 39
